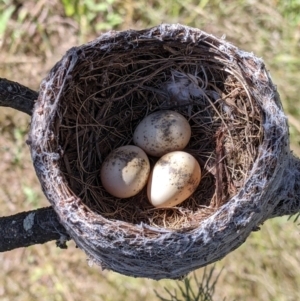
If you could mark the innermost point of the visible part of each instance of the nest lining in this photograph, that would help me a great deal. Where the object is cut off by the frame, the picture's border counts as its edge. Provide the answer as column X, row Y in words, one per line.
column 109, row 92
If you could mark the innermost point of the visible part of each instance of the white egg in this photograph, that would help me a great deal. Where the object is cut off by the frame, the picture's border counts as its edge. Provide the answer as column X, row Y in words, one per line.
column 174, row 178
column 162, row 132
column 125, row 171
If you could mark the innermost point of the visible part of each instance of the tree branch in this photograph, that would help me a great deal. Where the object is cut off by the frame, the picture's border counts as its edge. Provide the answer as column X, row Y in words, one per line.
column 29, row 228
column 42, row 225
column 17, row 96
column 290, row 204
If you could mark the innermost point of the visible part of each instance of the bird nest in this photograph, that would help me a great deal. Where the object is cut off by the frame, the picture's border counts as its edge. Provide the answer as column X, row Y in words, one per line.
column 91, row 103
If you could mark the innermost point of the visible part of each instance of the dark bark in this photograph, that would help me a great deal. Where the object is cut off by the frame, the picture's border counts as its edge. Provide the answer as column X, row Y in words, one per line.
column 290, row 203
column 29, row 228
column 17, row 96
column 38, row 226
column 42, row 225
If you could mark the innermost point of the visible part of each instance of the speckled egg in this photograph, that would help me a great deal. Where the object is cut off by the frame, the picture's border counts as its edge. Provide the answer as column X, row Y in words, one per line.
column 174, row 178
column 162, row 132
column 125, row 171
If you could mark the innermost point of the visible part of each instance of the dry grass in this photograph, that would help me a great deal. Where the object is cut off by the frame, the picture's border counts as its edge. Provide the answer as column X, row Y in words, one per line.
column 120, row 91
column 33, row 37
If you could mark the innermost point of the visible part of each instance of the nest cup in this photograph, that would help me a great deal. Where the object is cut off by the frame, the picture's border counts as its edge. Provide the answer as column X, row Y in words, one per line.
column 91, row 102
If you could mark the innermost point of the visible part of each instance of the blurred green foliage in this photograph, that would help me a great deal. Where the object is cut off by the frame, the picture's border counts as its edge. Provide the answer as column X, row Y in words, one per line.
column 86, row 12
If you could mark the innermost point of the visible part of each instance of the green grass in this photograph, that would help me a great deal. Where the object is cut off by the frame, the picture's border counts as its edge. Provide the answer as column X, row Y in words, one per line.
column 34, row 34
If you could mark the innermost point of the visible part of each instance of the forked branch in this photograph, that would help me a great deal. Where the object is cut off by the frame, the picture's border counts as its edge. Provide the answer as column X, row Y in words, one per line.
column 42, row 225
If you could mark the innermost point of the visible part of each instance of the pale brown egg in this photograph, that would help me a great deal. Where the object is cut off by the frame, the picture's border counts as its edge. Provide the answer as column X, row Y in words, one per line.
column 162, row 132
column 174, row 178
column 125, row 171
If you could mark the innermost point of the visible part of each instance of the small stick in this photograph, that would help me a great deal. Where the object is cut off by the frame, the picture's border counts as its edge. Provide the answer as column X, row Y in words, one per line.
column 219, row 166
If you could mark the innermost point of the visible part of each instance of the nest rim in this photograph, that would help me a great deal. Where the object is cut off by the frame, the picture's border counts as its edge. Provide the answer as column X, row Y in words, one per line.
column 70, row 208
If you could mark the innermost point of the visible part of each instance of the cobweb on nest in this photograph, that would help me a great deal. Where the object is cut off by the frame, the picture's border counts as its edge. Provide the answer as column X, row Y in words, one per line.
column 91, row 102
